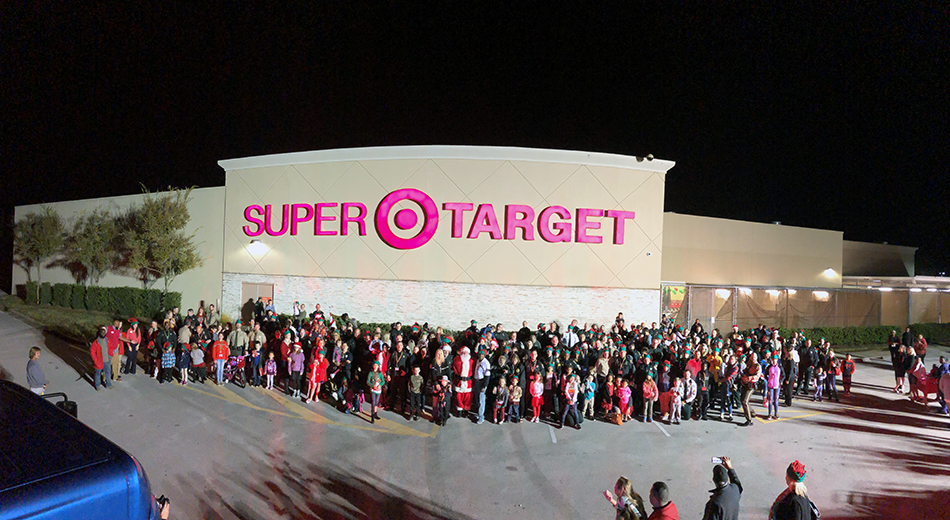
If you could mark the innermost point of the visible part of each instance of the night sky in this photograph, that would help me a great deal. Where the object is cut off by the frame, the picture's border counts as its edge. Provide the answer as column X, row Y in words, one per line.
column 832, row 117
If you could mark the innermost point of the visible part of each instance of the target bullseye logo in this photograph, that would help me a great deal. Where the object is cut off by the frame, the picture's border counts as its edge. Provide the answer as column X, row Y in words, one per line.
column 407, row 218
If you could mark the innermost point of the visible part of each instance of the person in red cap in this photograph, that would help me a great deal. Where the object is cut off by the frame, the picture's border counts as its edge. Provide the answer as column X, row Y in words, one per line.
column 317, row 374
column 793, row 502
column 463, row 367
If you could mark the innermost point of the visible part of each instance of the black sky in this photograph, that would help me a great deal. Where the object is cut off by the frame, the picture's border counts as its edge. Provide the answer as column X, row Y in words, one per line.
column 832, row 117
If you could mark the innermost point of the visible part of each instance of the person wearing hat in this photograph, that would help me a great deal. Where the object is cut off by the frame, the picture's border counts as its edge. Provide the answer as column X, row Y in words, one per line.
column 724, row 502
column 237, row 340
column 317, row 373
column 793, row 502
column 132, row 338
column 463, row 368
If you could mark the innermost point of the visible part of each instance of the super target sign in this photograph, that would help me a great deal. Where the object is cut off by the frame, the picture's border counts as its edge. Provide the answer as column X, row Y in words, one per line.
column 551, row 224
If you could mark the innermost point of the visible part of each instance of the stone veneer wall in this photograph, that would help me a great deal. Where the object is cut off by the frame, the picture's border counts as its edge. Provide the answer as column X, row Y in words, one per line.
column 448, row 304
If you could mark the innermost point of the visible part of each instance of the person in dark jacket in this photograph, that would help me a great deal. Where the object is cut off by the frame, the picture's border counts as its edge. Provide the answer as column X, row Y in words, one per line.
column 724, row 502
column 793, row 502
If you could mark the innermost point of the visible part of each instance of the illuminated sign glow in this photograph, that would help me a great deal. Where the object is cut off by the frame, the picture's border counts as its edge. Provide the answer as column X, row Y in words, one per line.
column 553, row 223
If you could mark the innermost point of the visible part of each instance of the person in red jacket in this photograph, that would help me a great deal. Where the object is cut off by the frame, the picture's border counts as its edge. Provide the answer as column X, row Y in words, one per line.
column 116, row 348
column 99, row 350
column 219, row 353
column 463, row 367
column 317, row 375
column 663, row 507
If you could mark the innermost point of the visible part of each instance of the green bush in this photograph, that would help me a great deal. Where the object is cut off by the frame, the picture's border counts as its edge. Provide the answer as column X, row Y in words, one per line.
column 46, row 293
column 933, row 332
column 62, row 294
column 876, row 335
column 171, row 300
column 128, row 301
column 99, row 299
column 153, row 303
column 32, row 293
column 77, row 298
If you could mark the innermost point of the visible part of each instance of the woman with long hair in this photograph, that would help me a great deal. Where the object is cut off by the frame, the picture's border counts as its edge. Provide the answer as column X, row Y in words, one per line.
column 793, row 503
column 628, row 503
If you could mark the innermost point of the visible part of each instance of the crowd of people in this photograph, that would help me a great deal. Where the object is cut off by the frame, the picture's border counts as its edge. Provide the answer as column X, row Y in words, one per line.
column 615, row 372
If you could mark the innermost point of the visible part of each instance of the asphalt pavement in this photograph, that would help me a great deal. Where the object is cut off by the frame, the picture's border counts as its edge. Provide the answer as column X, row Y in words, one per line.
column 227, row 452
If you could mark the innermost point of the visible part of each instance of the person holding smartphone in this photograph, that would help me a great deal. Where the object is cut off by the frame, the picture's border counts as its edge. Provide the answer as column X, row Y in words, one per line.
column 724, row 502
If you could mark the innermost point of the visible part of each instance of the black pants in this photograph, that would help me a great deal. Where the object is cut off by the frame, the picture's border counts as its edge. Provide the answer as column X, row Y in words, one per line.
column 804, row 378
column 295, row 381
column 131, row 358
column 397, row 392
column 199, row 374
column 703, row 399
column 415, row 404
column 789, row 385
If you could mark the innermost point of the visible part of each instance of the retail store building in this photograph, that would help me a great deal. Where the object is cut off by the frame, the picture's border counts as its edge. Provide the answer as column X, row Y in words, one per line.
column 445, row 234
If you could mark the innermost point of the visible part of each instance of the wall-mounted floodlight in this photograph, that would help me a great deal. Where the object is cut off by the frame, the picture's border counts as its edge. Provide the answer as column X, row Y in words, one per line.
column 829, row 273
column 257, row 248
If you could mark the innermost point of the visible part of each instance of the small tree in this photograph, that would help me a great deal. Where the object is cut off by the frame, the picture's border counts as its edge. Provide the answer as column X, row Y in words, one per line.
column 37, row 238
column 92, row 244
column 155, row 242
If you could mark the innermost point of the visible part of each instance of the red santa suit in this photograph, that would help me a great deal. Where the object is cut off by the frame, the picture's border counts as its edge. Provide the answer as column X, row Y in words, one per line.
column 463, row 368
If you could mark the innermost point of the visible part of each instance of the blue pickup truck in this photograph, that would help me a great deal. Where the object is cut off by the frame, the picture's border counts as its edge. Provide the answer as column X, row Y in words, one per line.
column 52, row 466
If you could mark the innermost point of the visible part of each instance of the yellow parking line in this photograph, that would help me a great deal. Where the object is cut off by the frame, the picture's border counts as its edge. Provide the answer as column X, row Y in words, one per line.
column 780, row 419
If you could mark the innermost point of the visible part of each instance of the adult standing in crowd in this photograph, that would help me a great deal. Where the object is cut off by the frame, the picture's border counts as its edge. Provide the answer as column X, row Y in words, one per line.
column 724, row 502
column 893, row 344
column 132, row 339
column 114, row 338
column 101, row 360
column 663, row 507
column 793, row 503
column 907, row 339
column 35, row 379
column 237, row 340
column 920, row 347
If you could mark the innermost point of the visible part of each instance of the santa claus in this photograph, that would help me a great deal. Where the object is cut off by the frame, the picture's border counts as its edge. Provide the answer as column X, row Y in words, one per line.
column 463, row 367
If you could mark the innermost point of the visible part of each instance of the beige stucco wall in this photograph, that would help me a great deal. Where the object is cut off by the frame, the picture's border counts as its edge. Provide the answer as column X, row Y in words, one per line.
column 203, row 284
column 479, row 175
column 706, row 250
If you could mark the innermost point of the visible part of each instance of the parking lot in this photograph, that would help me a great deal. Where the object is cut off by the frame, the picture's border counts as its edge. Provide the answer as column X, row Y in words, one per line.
column 227, row 452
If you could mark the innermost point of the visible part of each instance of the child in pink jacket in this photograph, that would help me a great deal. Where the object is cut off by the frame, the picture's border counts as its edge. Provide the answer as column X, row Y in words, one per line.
column 623, row 393
column 650, row 394
column 537, row 396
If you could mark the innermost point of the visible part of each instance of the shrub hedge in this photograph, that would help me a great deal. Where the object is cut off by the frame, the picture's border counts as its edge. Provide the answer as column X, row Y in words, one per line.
column 46, row 293
column 62, row 294
column 32, row 295
column 933, row 332
column 845, row 335
column 77, row 298
column 121, row 301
